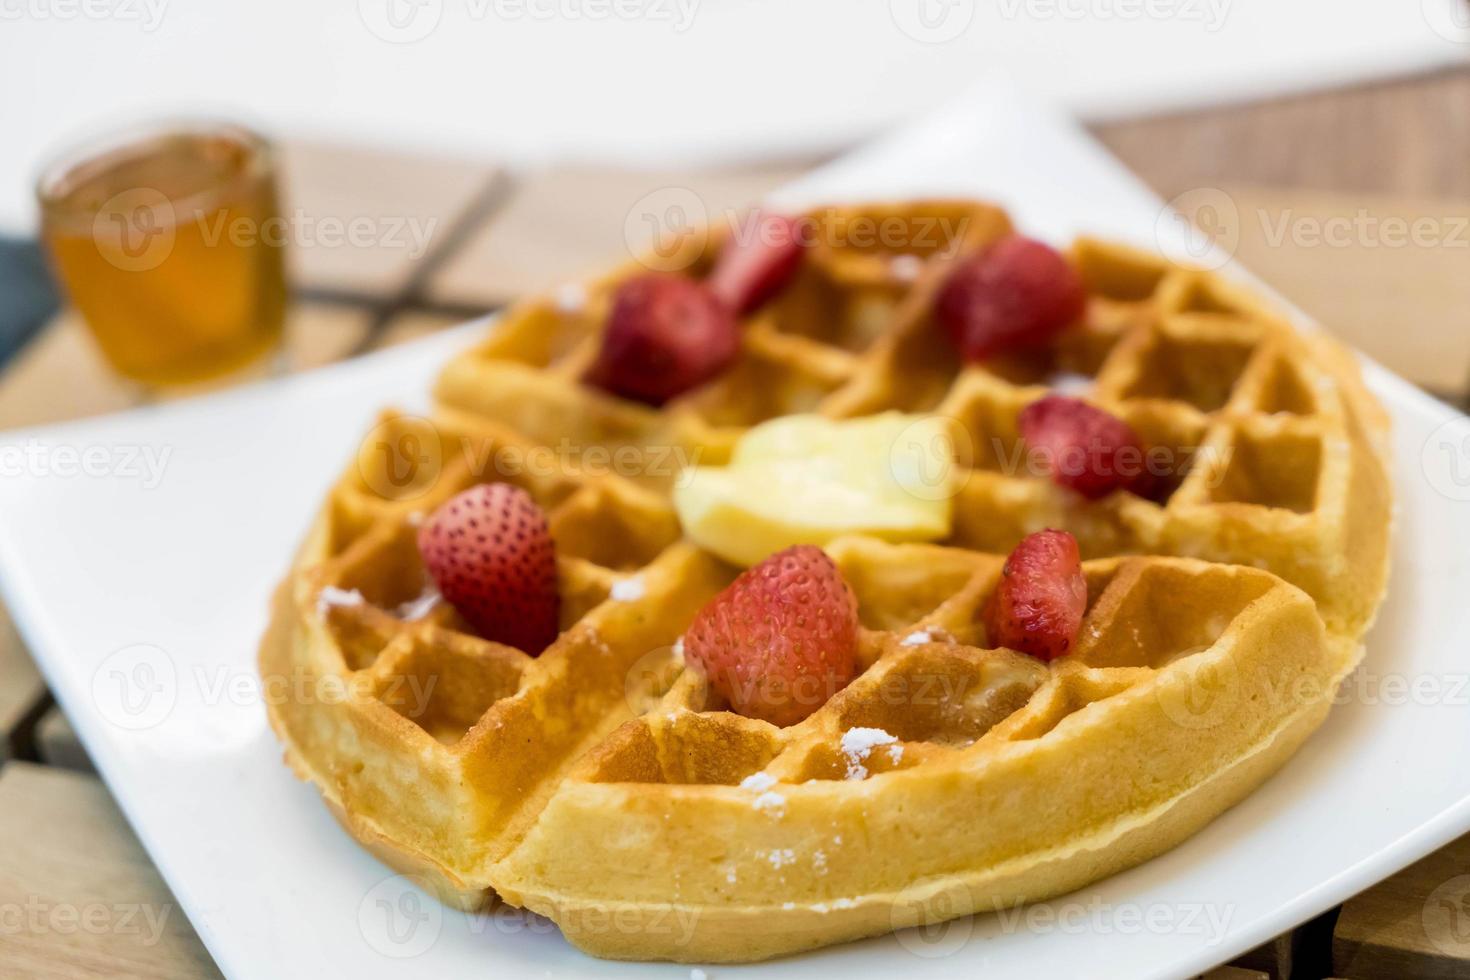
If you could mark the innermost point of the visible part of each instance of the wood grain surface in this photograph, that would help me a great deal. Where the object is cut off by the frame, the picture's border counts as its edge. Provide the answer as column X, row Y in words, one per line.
column 57, row 743
column 364, row 220
column 572, row 221
column 21, row 690
column 1409, row 137
column 78, row 894
column 1414, row 926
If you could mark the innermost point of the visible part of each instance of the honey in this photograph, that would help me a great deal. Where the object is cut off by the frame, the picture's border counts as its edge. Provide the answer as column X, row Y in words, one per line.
column 171, row 247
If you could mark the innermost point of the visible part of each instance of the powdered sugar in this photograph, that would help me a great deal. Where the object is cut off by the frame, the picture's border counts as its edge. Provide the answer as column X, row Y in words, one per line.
column 905, row 267
column 781, row 857
column 758, row 782
column 1070, row 384
column 768, row 799
column 859, row 743
column 774, row 802
column 416, row 609
column 917, row 638
column 570, row 297
column 629, row 589
column 331, row 597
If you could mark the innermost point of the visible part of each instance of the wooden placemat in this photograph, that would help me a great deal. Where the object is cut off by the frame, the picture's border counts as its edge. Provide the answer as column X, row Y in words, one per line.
column 1416, row 924
column 79, row 895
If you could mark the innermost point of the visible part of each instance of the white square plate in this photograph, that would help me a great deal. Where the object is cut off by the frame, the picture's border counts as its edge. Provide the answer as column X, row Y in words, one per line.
column 142, row 593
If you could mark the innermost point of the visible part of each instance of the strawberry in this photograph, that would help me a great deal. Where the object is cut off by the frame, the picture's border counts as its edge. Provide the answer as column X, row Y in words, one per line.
column 1083, row 447
column 749, row 272
column 1038, row 606
column 665, row 335
column 489, row 551
column 1015, row 295
column 782, row 639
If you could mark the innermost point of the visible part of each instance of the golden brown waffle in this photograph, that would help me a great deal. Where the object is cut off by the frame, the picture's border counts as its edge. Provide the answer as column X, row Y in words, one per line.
column 1272, row 449
column 600, row 783
column 426, row 739
column 1290, row 443
column 799, row 349
column 1004, row 779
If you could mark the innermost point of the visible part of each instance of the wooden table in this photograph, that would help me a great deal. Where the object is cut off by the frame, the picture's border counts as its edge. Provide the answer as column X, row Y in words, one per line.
column 1360, row 159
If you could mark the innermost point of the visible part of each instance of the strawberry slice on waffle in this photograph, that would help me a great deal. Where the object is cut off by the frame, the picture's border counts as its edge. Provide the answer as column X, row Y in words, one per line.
column 489, row 551
column 781, row 639
column 758, row 261
column 665, row 335
column 1084, row 447
column 1037, row 607
column 1016, row 295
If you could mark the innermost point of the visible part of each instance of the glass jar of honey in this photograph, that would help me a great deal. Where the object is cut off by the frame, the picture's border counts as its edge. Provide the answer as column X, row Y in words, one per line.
column 170, row 244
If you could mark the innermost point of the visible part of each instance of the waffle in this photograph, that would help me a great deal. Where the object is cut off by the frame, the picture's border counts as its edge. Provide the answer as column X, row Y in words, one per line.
column 605, row 785
column 799, row 350
column 1005, row 780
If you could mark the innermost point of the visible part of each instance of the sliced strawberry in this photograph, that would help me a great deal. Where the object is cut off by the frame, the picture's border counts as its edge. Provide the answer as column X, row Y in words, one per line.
column 1083, row 447
column 489, row 551
column 1015, row 295
column 782, row 639
column 757, row 262
column 1038, row 606
column 665, row 335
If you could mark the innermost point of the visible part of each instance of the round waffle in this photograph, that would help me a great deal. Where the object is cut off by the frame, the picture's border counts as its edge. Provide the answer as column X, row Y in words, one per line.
column 605, row 785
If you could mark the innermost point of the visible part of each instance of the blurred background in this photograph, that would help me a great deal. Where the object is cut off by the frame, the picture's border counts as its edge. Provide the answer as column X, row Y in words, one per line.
column 423, row 161
column 370, row 171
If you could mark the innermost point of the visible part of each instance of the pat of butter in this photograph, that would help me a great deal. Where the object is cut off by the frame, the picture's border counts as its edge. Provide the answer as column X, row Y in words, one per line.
column 806, row 479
